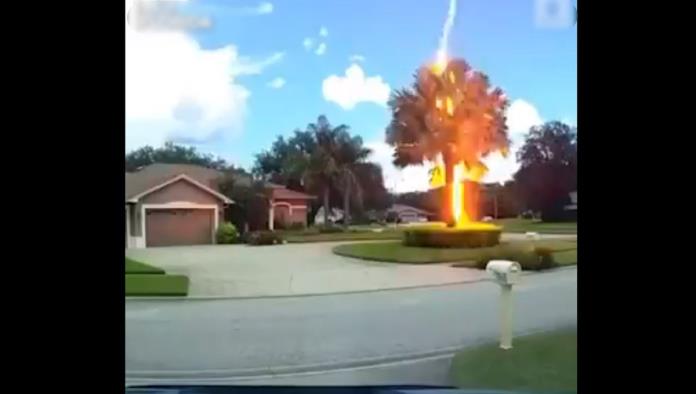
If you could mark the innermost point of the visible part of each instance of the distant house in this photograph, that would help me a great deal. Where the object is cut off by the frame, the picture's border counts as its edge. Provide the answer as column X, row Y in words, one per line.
column 335, row 215
column 409, row 214
column 286, row 207
column 173, row 204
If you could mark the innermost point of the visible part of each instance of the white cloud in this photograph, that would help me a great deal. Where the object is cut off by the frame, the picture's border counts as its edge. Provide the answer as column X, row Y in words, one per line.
column 276, row 83
column 356, row 58
column 398, row 180
column 264, row 8
column 355, row 87
column 308, row 43
column 321, row 49
column 176, row 90
column 521, row 116
column 323, row 32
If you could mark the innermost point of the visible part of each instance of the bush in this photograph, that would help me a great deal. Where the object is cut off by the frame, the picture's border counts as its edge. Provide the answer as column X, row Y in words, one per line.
column 264, row 238
column 330, row 229
column 227, row 233
column 296, row 226
column 530, row 258
column 451, row 238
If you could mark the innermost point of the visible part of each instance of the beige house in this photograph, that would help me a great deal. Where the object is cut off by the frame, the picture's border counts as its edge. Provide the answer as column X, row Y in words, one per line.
column 173, row 204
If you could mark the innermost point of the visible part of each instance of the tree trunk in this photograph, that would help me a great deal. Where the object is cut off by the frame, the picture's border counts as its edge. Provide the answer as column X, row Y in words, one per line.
column 346, row 203
column 472, row 200
column 326, row 206
column 449, row 188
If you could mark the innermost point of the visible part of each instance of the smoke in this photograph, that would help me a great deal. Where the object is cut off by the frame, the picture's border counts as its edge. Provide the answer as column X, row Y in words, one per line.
column 447, row 28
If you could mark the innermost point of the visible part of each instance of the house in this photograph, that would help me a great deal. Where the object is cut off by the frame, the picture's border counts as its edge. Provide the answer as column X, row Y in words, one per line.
column 173, row 204
column 409, row 214
column 286, row 207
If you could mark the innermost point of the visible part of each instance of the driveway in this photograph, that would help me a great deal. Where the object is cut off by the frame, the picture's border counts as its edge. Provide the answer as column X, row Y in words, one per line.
column 291, row 269
column 294, row 269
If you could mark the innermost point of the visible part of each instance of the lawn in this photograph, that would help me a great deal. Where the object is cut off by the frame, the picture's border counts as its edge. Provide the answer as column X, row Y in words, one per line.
column 136, row 267
column 397, row 252
column 389, row 232
column 546, row 361
column 145, row 280
column 156, row 285
column 352, row 235
column 517, row 225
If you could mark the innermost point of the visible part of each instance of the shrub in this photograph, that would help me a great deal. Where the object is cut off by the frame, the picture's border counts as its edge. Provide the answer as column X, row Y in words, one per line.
column 530, row 258
column 329, row 229
column 451, row 238
column 296, row 226
column 227, row 233
column 264, row 238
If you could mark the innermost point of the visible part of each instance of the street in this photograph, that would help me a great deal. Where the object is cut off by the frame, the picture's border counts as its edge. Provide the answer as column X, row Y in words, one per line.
column 200, row 341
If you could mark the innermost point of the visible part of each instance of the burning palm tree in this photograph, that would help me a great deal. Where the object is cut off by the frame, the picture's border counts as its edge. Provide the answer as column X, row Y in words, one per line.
column 450, row 117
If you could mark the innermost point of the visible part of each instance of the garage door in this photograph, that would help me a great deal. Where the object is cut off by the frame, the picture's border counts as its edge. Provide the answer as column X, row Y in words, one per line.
column 168, row 227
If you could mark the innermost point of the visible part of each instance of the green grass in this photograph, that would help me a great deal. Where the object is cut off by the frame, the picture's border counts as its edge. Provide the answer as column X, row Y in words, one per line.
column 136, row 267
column 156, row 285
column 145, row 280
column 517, row 225
column 397, row 252
column 345, row 236
column 546, row 361
column 566, row 257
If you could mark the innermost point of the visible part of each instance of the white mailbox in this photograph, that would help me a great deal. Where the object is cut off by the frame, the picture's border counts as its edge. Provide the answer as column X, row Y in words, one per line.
column 504, row 272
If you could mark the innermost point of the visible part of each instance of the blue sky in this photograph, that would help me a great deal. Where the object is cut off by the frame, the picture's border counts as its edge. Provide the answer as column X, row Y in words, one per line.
column 212, row 87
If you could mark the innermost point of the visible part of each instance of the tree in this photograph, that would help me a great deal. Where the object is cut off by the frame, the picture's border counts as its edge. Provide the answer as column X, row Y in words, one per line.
column 453, row 116
column 548, row 167
column 171, row 153
column 323, row 160
column 349, row 156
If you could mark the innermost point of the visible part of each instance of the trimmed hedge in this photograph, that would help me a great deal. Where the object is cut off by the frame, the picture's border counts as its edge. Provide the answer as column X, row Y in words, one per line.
column 156, row 285
column 264, row 238
column 136, row 267
column 452, row 237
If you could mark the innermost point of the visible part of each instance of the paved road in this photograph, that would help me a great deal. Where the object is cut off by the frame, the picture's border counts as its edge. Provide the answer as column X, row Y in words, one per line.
column 362, row 338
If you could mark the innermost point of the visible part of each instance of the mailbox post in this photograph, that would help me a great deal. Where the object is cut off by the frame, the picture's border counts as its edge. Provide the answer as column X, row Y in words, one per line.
column 505, row 273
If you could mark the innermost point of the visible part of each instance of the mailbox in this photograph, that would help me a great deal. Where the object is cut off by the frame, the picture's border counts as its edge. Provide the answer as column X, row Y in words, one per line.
column 504, row 272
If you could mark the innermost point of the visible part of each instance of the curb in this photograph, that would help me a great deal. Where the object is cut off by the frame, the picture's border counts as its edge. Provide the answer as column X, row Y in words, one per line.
column 301, row 295
column 304, row 295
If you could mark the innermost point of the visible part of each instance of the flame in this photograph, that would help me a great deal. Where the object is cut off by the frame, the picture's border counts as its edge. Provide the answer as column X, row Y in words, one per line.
column 460, row 216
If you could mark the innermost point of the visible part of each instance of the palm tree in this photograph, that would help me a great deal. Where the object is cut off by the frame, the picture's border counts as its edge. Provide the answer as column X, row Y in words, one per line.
column 453, row 115
column 350, row 155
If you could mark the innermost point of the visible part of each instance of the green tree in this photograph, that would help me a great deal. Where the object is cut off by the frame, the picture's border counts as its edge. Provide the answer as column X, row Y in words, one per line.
column 455, row 115
column 321, row 159
column 548, row 167
column 171, row 153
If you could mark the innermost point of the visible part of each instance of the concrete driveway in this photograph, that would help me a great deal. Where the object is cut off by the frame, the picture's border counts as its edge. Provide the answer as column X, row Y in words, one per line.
column 293, row 269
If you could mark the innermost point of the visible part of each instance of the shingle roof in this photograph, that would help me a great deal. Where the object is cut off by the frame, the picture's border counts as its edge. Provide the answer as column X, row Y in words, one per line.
column 284, row 193
column 158, row 173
